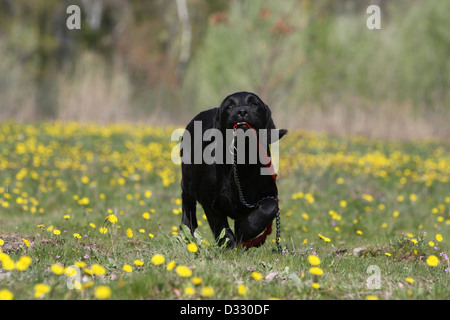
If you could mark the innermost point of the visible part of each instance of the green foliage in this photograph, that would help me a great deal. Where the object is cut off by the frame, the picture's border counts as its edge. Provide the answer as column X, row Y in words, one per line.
column 323, row 54
column 353, row 202
column 316, row 58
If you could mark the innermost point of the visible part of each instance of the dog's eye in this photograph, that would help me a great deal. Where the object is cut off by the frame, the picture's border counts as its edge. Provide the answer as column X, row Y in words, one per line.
column 230, row 106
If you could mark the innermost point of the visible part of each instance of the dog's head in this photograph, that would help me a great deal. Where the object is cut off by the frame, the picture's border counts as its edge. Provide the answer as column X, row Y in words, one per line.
column 245, row 107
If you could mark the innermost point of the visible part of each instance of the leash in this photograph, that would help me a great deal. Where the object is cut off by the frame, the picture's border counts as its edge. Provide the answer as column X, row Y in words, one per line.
column 259, row 240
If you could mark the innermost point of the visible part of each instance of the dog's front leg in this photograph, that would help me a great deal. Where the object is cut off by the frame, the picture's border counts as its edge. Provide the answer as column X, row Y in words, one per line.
column 189, row 217
column 218, row 222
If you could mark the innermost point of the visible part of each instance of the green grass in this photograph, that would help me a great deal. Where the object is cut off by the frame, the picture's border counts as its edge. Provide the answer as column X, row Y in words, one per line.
column 396, row 197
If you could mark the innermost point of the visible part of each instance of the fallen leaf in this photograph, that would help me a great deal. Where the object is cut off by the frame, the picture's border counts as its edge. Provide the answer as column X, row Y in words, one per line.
column 272, row 275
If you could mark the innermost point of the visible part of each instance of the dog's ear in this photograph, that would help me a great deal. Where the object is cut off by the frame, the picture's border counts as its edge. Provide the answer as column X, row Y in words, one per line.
column 281, row 133
column 270, row 125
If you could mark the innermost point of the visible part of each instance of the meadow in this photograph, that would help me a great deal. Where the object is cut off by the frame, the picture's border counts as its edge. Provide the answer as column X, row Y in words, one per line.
column 93, row 211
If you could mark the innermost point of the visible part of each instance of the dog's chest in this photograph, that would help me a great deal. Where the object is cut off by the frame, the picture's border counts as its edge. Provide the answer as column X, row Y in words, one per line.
column 228, row 200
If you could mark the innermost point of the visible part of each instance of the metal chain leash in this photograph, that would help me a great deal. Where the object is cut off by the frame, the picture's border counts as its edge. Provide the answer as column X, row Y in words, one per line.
column 251, row 206
column 278, row 235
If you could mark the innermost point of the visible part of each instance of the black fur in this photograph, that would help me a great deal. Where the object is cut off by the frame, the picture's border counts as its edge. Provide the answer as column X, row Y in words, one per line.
column 213, row 185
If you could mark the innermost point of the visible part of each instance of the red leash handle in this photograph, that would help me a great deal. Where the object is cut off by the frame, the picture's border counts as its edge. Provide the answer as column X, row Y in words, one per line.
column 259, row 240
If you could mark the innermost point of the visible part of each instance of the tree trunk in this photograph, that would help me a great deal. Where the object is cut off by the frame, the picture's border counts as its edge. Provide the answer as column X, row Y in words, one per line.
column 186, row 36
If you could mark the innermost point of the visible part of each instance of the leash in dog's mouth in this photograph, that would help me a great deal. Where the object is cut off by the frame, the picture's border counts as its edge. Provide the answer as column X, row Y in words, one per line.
column 236, row 126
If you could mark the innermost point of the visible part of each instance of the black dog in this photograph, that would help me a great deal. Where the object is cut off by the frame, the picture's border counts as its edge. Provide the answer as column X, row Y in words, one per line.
column 226, row 188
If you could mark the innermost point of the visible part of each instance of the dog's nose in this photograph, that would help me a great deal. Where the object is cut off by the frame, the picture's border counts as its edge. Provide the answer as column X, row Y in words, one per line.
column 242, row 113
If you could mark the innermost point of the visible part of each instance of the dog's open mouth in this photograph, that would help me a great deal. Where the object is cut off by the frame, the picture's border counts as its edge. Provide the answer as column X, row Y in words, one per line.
column 242, row 125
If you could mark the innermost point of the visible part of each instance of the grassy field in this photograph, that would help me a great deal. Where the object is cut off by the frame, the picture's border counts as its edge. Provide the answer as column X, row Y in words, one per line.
column 90, row 211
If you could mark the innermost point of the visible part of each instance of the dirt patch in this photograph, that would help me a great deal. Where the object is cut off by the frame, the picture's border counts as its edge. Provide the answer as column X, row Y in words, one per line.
column 13, row 243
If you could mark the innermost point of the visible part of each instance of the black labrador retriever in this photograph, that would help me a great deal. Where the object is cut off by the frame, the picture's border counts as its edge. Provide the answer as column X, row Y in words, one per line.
column 224, row 186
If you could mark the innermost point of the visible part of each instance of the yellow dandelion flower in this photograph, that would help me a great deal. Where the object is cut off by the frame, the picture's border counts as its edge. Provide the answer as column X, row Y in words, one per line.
column 70, row 271
column 98, row 270
column 84, row 201
column 148, row 194
column 439, row 237
column 315, row 285
column 189, row 291
column 359, row 232
column 77, row 236
column 56, row 232
column 192, row 247
column 138, row 263
column 432, row 261
column 102, row 292
column 87, row 285
column 5, row 294
column 103, row 230
column 409, row 280
column 127, row 268
column 183, row 271
column 57, row 269
column 7, row 262
column 23, row 263
column 112, row 218
column 158, row 259
column 27, row 243
column 324, row 238
column 146, row 215
column 196, row 280
column 41, row 289
column 242, row 290
column 80, row 264
column 129, row 233
column 314, row 260
column 309, row 197
column 257, row 276
column 371, row 297
column 316, row 271
column 207, row 291
column 171, row 265
column 388, row 254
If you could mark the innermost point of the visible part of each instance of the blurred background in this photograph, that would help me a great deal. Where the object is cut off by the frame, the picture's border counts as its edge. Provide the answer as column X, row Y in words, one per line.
column 315, row 63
